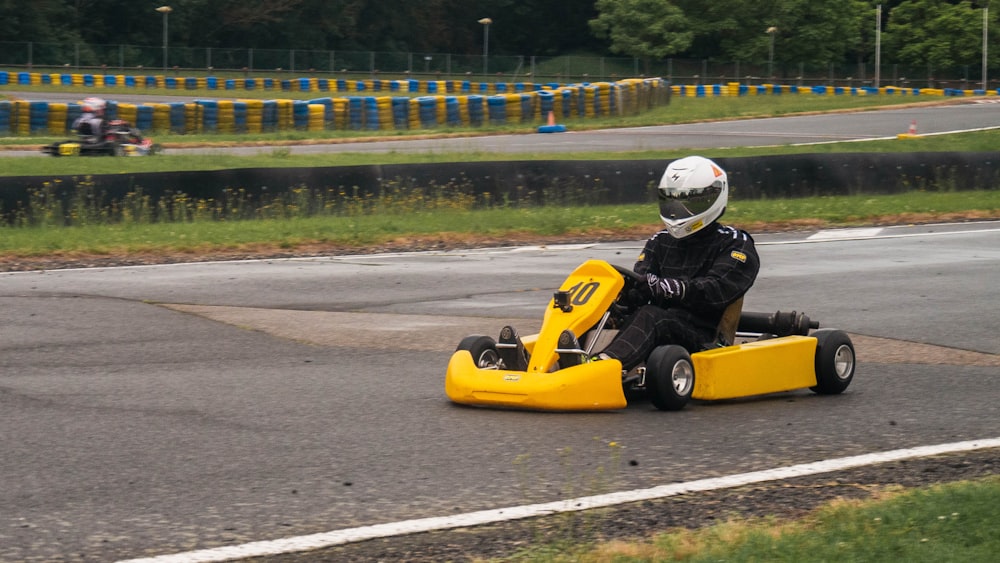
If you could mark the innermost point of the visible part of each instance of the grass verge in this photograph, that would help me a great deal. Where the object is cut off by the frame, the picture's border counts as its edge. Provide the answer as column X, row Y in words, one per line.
column 395, row 226
column 950, row 522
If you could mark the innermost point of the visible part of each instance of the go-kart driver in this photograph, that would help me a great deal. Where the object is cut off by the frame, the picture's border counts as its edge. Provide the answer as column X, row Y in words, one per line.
column 693, row 269
column 91, row 126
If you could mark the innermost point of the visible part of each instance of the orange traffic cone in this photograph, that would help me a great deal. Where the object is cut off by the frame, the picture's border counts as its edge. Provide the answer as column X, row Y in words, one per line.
column 911, row 133
column 552, row 127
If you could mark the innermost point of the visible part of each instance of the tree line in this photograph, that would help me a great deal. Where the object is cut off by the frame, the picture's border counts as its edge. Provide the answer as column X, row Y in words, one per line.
column 930, row 33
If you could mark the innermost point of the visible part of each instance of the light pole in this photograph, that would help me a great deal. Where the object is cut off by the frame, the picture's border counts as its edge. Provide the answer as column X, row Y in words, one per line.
column 165, row 10
column 878, row 45
column 486, row 43
column 986, row 16
column 770, row 55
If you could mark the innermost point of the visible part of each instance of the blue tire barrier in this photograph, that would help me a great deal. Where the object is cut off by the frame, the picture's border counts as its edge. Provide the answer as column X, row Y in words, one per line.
column 111, row 109
column 401, row 113
column 497, row 106
column 249, row 84
column 73, row 112
column 300, row 114
column 305, row 85
column 149, row 81
column 4, row 78
column 24, row 79
column 269, row 115
column 372, row 120
column 5, row 109
column 130, row 82
column 355, row 112
column 144, row 118
column 110, row 80
column 376, row 85
column 527, row 102
column 466, row 87
column 212, row 83
column 209, row 114
column 452, row 111
column 240, row 117
column 557, row 128
column 546, row 103
column 65, row 79
column 501, row 88
column 476, row 110
column 170, row 83
column 341, row 85
column 88, row 79
column 413, row 86
column 323, row 84
column 230, row 84
column 46, row 79
column 178, row 117
column 427, row 111
column 394, row 86
column 190, row 83
column 432, row 87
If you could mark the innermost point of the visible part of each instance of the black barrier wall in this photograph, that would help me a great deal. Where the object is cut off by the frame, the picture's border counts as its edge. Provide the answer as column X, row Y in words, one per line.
column 539, row 182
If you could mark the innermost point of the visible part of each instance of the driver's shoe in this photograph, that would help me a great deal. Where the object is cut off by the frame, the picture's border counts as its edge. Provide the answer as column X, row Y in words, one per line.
column 570, row 353
column 511, row 350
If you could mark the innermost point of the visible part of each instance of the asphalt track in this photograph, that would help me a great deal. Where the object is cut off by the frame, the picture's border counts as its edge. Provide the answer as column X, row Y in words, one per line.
column 162, row 409
column 159, row 410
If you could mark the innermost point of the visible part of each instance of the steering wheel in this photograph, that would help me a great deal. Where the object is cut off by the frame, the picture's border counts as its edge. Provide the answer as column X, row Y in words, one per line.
column 630, row 297
column 631, row 278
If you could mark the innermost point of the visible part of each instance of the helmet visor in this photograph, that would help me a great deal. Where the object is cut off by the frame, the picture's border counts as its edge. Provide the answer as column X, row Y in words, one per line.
column 680, row 203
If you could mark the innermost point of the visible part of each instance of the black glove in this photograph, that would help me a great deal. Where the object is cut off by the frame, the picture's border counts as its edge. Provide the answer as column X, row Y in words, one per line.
column 666, row 289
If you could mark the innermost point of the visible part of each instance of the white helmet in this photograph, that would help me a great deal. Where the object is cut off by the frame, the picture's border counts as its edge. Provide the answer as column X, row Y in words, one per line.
column 693, row 193
column 94, row 105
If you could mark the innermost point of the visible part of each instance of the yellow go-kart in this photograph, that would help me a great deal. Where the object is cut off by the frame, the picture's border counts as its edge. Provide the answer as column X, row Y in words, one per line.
column 757, row 353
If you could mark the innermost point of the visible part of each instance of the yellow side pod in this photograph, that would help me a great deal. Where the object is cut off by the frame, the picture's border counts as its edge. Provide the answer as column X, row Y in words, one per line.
column 755, row 368
column 593, row 386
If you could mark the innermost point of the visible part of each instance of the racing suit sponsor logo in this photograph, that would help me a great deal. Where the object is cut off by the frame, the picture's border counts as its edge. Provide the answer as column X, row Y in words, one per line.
column 736, row 254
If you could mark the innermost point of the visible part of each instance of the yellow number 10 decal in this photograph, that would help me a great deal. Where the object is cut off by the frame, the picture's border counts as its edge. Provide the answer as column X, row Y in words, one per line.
column 580, row 293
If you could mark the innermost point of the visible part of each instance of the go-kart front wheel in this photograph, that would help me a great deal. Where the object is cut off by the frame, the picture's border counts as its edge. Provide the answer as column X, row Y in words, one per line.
column 483, row 350
column 834, row 361
column 669, row 377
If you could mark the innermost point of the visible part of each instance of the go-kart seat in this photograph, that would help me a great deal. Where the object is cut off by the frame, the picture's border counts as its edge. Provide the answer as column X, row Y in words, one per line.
column 726, row 332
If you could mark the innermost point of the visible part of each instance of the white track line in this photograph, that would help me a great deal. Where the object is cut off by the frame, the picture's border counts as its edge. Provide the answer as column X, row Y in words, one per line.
column 351, row 535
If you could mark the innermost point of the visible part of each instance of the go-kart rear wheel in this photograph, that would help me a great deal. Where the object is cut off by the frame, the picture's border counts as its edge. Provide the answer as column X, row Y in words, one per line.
column 483, row 350
column 669, row 377
column 834, row 361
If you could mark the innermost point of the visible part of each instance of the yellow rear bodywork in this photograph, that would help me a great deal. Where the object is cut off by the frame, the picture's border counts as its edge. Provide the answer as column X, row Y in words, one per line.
column 755, row 368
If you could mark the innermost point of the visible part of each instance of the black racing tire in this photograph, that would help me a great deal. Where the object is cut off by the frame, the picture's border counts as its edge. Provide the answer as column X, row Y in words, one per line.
column 835, row 361
column 669, row 377
column 483, row 350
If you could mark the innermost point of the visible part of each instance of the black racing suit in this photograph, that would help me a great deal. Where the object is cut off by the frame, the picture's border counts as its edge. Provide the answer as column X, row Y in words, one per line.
column 90, row 127
column 716, row 265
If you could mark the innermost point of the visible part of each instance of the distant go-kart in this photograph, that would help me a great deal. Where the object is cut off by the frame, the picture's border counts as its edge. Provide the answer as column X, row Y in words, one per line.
column 121, row 139
column 550, row 371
